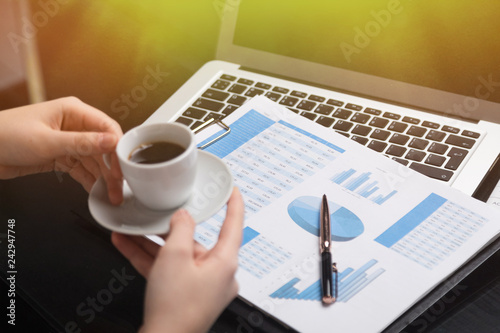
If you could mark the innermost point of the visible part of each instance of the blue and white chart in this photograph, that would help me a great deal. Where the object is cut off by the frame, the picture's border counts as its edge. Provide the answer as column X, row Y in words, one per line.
column 396, row 234
column 373, row 184
column 268, row 158
column 351, row 281
column 345, row 225
column 432, row 231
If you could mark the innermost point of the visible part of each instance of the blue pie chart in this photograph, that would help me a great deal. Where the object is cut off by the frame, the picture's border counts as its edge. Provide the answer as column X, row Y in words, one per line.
column 345, row 225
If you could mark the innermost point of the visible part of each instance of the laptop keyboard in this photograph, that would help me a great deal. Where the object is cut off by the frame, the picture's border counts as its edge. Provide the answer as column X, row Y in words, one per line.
column 431, row 148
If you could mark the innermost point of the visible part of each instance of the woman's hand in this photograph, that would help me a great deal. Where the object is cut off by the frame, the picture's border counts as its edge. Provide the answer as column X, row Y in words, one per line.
column 188, row 286
column 61, row 135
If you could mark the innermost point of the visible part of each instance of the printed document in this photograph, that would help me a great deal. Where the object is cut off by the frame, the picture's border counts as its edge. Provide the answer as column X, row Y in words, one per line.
column 396, row 233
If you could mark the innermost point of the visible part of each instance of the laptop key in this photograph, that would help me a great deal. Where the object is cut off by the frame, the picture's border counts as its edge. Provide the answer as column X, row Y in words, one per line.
column 438, row 148
column 308, row 115
column 450, row 129
column 237, row 89
column 324, row 109
column 184, row 120
column 432, row 171
column 416, row 131
column 380, row 134
column 361, row 130
column 228, row 77
column 374, row 112
column 379, row 122
column 229, row 109
column 343, row 125
column 342, row 113
column 264, row 86
column 391, row 115
column 471, row 134
column 208, row 104
column 344, row 134
column 435, row 135
column 411, row 120
column 245, row 81
column 215, row 94
column 281, row 90
column 400, row 160
column 430, row 124
column 354, row 107
column 236, row 99
column 396, row 126
column 460, row 141
column 435, row 160
column 360, row 139
column 418, row 143
column 273, row 96
column 289, row 101
column 194, row 113
column 316, row 98
column 334, row 102
column 400, row 139
column 254, row 92
column 325, row 121
column 377, row 145
column 396, row 150
column 299, row 94
column 221, row 84
column 360, row 118
column 415, row 155
column 457, row 156
column 196, row 124
column 214, row 115
column 306, row 105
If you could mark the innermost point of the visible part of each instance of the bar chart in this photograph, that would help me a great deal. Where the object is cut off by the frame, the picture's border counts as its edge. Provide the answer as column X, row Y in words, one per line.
column 351, row 282
column 365, row 184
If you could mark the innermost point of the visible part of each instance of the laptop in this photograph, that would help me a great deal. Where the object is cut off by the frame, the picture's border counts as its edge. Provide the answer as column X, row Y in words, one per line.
column 416, row 81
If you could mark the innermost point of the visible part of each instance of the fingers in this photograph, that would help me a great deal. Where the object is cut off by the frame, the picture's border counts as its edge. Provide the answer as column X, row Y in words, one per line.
column 179, row 242
column 78, row 129
column 85, row 133
column 140, row 251
column 231, row 232
column 77, row 114
column 76, row 143
column 199, row 250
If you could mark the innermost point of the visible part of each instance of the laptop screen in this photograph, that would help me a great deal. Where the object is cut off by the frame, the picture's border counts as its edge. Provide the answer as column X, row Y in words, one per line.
column 445, row 46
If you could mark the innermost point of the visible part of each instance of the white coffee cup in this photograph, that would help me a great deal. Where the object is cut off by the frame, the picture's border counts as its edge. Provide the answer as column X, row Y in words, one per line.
column 164, row 185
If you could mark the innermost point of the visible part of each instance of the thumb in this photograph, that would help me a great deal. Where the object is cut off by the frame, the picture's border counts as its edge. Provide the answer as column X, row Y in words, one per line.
column 179, row 239
column 84, row 143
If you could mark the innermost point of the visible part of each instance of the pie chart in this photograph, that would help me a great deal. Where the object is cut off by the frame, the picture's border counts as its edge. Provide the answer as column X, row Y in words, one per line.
column 345, row 225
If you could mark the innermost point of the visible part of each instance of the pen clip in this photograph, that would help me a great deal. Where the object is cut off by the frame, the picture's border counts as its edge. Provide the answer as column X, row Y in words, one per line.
column 335, row 275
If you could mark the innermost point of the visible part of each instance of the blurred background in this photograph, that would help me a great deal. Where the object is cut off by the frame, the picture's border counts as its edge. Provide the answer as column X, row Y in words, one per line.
column 100, row 51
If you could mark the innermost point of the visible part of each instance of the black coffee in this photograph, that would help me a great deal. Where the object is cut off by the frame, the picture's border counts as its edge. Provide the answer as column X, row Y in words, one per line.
column 155, row 152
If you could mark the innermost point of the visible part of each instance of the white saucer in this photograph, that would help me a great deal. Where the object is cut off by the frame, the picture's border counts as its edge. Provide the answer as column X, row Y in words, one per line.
column 213, row 186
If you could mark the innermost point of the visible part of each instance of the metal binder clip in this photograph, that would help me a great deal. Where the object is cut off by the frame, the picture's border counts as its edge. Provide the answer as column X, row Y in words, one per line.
column 209, row 122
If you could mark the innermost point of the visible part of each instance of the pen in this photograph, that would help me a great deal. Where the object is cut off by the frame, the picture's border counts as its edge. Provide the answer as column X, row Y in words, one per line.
column 325, row 244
